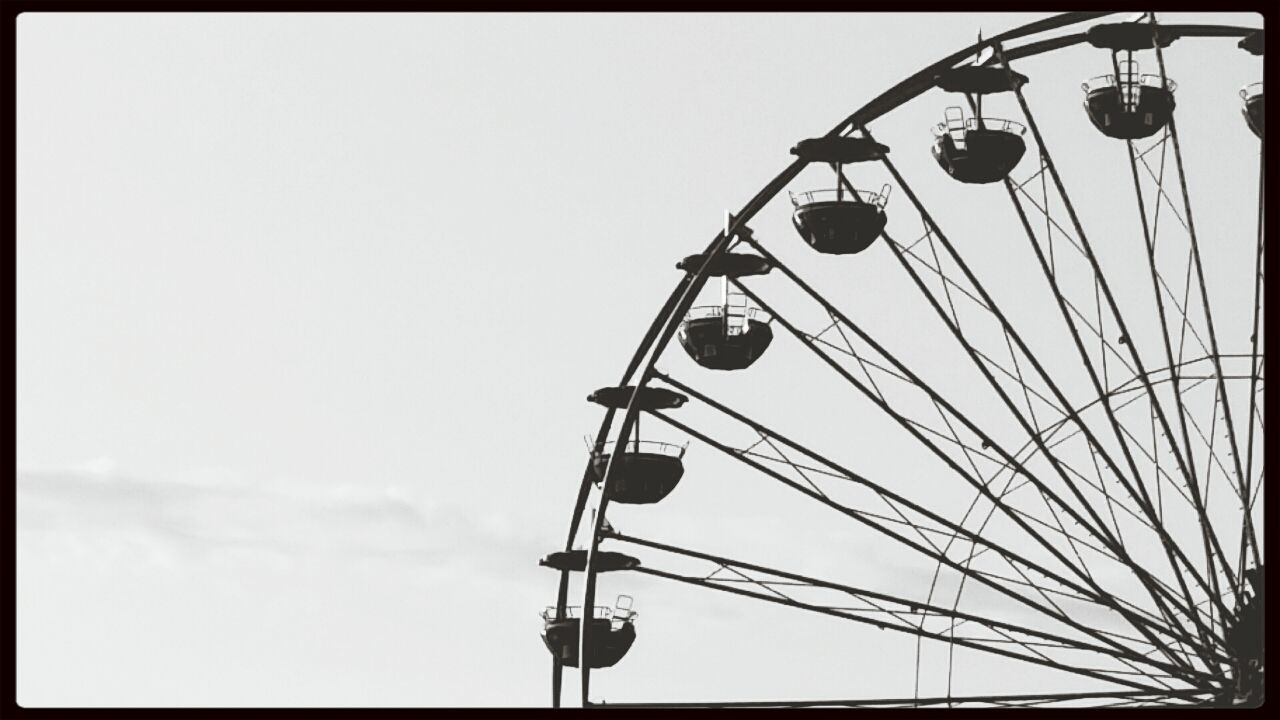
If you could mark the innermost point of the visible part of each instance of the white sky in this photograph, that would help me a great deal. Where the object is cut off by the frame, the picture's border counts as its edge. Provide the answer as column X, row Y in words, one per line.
column 308, row 307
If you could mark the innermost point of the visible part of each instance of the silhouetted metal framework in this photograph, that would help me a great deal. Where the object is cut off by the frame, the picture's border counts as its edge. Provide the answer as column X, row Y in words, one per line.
column 1181, row 651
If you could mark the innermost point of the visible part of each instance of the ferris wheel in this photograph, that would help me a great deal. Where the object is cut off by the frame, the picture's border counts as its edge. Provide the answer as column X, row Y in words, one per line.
column 1057, row 418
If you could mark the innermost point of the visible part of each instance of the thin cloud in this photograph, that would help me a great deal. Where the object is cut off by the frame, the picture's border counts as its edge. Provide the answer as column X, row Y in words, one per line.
column 218, row 513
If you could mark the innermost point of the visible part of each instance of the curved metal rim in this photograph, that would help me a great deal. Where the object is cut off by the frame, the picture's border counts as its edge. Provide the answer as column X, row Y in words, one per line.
column 668, row 319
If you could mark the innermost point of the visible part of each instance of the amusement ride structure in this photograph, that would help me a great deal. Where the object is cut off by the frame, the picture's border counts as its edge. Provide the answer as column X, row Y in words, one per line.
column 1110, row 442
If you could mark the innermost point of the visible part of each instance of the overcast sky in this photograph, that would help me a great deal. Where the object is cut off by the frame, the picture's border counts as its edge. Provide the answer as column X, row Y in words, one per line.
column 308, row 307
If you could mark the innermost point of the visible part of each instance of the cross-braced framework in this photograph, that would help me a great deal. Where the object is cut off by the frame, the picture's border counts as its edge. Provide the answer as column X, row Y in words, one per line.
column 1107, row 431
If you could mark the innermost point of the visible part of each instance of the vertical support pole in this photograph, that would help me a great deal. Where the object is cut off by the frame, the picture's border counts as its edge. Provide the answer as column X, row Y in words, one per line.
column 724, row 284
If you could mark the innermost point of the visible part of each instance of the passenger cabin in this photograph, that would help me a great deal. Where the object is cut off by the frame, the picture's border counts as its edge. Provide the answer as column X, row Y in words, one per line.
column 646, row 471
column 840, row 221
column 978, row 150
column 1252, row 109
column 1131, row 107
column 728, row 336
column 844, row 220
column 612, row 632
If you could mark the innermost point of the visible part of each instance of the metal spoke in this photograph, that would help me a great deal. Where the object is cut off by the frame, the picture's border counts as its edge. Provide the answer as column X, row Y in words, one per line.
column 1204, row 292
column 1097, row 593
column 1171, row 547
column 1011, row 558
column 1052, row 549
column 910, row 629
column 1100, row 531
column 1247, row 534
